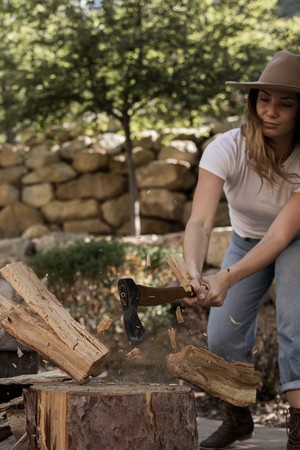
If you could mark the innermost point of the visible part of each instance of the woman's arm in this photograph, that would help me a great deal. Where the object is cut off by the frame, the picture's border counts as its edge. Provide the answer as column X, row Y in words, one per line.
column 281, row 232
column 198, row 229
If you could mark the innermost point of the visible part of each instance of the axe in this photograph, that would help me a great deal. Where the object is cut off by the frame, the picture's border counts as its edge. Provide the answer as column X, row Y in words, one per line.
column 133, row 295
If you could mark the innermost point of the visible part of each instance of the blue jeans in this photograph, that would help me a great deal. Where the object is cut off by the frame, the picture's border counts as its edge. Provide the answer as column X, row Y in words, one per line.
column 232, row 327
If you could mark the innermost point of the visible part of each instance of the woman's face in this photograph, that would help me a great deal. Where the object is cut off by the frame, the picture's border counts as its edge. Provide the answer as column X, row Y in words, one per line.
column 279, row 112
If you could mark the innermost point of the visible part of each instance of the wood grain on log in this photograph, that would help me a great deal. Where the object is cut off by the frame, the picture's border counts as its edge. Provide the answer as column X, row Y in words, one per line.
column 179, row 268
column 235, row 383
column 65, row 416
column 47, row 327
column 42, row 377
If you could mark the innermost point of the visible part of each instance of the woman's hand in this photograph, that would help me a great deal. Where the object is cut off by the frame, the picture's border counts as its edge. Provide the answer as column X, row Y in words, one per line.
column 211, row 290
column 218, row 285
column 200, row 289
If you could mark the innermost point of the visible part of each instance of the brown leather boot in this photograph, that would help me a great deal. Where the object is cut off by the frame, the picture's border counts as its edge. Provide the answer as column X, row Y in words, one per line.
column 237, row 426
column 293, row 426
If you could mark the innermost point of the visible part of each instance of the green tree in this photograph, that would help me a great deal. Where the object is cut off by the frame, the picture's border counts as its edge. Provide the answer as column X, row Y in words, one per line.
column 134, row 59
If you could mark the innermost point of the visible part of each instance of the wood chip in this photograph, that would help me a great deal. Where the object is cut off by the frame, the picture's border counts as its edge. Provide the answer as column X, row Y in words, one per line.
column 179, row 317
column 19, row 353
column 172, row 337
column 104, row 325
column 134, row 355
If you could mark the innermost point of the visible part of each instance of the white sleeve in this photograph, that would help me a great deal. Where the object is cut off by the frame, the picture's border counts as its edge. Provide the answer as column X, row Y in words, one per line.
column 219, row 157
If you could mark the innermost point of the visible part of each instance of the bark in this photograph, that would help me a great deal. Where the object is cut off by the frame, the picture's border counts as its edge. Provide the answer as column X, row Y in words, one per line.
column 110, row 416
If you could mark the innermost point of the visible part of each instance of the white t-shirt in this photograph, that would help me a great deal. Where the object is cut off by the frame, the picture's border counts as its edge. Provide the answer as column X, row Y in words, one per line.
column 252, row 206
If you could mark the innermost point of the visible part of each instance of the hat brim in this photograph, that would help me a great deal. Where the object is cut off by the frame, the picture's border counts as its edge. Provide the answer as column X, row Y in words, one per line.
column 261, row 85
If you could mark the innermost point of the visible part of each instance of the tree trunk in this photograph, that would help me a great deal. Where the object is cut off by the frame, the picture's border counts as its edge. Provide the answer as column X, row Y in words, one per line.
column 135, row 221
column 109, row 416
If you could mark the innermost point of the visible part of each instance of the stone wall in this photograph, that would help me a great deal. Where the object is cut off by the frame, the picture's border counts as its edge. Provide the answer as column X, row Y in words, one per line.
column 78, row 184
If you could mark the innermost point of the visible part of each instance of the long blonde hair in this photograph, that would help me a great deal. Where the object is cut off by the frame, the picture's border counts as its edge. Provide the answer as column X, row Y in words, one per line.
column 259, row 151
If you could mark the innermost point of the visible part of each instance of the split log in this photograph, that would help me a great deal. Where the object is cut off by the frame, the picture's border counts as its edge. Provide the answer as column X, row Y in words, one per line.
column 179, row 268
column 47, row 327
column 109, row 416
column 235, row 383
column 35, row 378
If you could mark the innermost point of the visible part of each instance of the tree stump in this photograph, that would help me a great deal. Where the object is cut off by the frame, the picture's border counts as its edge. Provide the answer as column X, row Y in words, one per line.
column 66, row 416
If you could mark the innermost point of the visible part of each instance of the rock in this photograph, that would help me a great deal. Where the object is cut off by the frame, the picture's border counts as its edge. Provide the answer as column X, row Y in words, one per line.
column 55, row 173
column 37, row 195
column 111, row 142
column 89, row 162
column 12, row 175
column 60, row 212
column 35, row 231
column 118, row 164
column 222, row 215
column 11, row 155
column 117, row 211
column 142, row 156
column 94, row 226
column 163, row 204
column 219, row 242
column 156, row 226
column 69, row 149
column 168, row 174
column 39, row 175
column 8, row 194
column 15, row 218
column 41, row 156
column 101, row 186
column 181, row 151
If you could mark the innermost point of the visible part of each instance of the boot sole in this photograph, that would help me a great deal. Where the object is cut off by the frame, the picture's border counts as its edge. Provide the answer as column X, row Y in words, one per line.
column 245, row 438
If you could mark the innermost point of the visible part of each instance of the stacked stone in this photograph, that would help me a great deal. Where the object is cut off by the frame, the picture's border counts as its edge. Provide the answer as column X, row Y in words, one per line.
column 81, row 185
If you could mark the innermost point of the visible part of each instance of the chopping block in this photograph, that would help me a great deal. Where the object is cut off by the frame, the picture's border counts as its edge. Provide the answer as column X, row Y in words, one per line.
column 66, row 416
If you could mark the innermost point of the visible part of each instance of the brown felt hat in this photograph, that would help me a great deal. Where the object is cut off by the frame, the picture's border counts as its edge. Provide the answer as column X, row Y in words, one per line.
column 281, row 73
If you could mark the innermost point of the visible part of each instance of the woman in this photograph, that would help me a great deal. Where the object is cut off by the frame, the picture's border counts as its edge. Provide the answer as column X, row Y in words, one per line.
column 258, row 166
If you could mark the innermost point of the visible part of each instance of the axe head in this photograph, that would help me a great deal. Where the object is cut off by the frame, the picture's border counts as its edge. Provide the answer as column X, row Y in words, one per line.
column 129, row 298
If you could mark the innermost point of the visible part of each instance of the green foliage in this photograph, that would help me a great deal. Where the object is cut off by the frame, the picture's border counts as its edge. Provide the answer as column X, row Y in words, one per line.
column 132, row 59
column 95, row 260
column 100, row 260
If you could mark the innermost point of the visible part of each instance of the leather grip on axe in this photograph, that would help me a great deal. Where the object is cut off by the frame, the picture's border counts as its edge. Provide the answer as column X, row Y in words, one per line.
column 133, row 295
